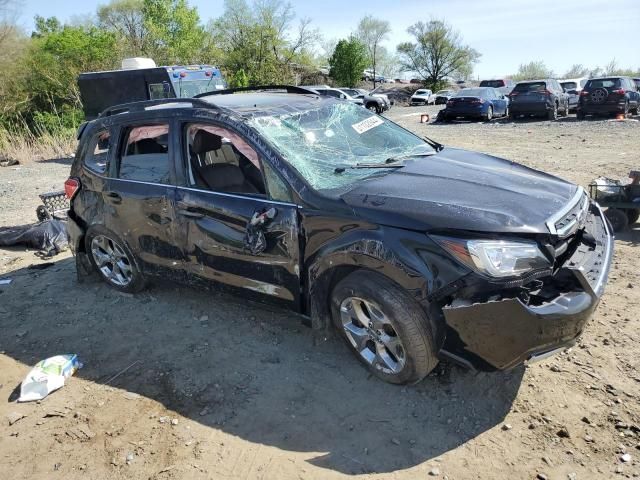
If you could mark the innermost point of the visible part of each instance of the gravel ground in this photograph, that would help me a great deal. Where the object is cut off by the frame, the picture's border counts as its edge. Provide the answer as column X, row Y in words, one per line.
column 181, row 383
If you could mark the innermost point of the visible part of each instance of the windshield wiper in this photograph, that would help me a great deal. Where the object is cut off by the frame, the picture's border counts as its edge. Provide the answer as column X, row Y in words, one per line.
column 409, row 155
column 387, row 164
column 438, row 147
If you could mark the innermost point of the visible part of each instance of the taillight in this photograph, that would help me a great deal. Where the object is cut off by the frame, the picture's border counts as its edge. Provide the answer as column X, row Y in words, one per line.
column 584, row 93
column 71, row 187
column 477, row 100
column 620, row 91
column 449, row 102
column 546, row 92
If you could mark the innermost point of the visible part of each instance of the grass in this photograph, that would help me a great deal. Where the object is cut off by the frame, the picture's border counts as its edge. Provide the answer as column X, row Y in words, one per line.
column 26, row 145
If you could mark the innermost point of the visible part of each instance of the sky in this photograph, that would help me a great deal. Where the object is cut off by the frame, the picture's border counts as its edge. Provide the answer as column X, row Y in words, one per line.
column 506, row 32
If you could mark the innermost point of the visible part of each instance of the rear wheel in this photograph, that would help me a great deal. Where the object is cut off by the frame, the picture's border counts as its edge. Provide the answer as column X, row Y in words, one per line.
column 632, row 215
column 489, row 114
column 384, row 327
column 553, row 113
column 111, row 257
column 565, row 112
column 618, row 219
column 579, row 115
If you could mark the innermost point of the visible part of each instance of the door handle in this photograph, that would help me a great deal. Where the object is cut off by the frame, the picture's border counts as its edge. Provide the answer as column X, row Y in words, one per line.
column 114, row 196
column 190, row 213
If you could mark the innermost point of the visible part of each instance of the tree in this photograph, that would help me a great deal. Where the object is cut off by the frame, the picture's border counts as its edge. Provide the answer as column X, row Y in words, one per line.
column 126, row 19
column 437, row 53
column 576, row 71
column 238, row 79
column 173, row 30
column 348, row 61
column 371, row 32
column 532, row 71
column 260, row 39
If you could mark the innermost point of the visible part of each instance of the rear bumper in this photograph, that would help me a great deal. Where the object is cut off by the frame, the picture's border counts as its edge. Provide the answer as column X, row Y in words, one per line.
column 504, row 333
column 75, row 234
column 466, row 111
column 604, row 109
column 533, row 108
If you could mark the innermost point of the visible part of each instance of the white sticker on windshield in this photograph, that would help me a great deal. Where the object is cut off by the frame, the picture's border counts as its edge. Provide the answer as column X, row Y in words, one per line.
column 367, row 124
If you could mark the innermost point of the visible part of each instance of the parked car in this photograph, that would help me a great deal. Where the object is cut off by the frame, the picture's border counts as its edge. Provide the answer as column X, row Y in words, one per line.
column 375, row 104
column 412, row 250
column 481, row 102
column 377, row 92
column 608, row 96
column 422, row 96
column 442, row 96
column 636, row 81
column 504, row 85
column 368, row 76
column 539, row 97
column 573, row 87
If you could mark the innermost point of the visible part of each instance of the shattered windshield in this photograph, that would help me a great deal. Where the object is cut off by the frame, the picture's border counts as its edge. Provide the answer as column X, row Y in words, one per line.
column 337, row 135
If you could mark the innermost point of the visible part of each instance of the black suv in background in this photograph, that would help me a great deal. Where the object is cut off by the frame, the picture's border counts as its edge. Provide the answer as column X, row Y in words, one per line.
column 539, row 97
column 609, row 96
column 410, row 249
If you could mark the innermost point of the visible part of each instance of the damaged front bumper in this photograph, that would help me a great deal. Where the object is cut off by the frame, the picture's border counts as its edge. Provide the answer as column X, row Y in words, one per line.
column 505, row 332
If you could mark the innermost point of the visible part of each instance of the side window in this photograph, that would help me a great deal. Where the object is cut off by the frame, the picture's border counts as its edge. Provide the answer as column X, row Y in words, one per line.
column 98, row 152
column 278, row 189
column 145, row 154
column 160, row 90
column 220, row 160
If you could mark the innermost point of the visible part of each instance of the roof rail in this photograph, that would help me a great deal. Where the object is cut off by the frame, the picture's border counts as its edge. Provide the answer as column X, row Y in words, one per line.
column 262, row 88
column 144, row 104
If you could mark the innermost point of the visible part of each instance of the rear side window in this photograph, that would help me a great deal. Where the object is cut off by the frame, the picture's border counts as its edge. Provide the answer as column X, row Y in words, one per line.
column 97, row 155
column 145, row 154
column 530, row 87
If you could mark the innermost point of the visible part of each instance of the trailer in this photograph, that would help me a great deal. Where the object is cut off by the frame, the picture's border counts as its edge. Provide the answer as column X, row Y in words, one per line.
column 140, row 79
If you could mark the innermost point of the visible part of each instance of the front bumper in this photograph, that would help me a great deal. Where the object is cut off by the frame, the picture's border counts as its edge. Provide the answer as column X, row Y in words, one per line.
column 503, row 333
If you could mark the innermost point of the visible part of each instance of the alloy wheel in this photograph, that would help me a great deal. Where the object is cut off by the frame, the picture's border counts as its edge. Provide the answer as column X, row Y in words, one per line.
column 373, row 336
column 111, row 260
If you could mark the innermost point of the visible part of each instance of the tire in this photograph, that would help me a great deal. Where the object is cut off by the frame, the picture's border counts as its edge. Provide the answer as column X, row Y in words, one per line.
column 632, row 215
column 553, row 113
column 42, row 214
column 618, row 219
column 580, row 115
column 399, row 343
column 113, row 260
column 626, row 109
column 565, row 112
column 489, row 114
column 372, row 107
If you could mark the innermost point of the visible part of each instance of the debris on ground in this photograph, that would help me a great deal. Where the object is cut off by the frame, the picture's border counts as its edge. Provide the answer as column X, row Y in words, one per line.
column 47, row 376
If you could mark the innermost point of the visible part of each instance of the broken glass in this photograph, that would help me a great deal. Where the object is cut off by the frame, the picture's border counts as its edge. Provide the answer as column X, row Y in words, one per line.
column 324, row 143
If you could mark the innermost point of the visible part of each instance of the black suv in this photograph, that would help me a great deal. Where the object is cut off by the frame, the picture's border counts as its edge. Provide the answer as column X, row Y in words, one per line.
column 539, row 97
column 608, row 96
column 412, row 250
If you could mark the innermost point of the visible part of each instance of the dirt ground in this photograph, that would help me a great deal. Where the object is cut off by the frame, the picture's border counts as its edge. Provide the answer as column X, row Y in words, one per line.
column 193, row 384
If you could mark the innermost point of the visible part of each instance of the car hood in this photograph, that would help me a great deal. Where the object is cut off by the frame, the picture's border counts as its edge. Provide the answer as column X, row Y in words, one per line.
column 463, row 190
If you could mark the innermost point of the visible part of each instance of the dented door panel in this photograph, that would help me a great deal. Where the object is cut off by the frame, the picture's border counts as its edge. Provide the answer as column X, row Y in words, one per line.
column 213, row 236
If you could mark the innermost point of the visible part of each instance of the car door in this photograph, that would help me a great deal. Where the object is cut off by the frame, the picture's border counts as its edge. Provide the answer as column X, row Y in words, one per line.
column 499, row 104
column 238, row 225
column 140, row 194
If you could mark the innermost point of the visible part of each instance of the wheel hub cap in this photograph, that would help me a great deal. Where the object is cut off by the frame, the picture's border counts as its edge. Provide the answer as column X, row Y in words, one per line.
column 112, row 261
column 372, row 335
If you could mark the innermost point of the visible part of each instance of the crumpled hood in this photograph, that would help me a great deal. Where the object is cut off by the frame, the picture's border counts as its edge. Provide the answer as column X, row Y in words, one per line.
column 459, row 189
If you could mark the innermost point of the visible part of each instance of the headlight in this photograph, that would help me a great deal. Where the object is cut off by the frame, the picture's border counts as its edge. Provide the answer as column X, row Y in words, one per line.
column 496, row 258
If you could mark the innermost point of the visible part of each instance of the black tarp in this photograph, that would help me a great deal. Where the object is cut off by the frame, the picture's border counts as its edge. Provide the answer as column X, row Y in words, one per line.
column 49, row 237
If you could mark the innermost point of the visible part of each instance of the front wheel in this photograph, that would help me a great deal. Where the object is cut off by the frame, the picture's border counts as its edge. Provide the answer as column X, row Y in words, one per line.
column 384, row 327
column 632, row 215
column 372, row 107
column 111, row 257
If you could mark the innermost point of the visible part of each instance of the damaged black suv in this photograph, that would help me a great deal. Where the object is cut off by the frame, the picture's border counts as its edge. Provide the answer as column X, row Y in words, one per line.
column 413, row 251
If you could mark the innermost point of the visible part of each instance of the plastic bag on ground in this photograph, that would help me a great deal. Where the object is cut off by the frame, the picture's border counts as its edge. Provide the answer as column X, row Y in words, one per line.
column 47, row 376
column 50, row 236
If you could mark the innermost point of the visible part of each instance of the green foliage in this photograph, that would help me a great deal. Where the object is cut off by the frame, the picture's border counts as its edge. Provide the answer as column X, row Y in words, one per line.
column 125, row 18
column 174, row 31
column 533, row 71
column 348, row 61
column 238, row 79
column 437, row 53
